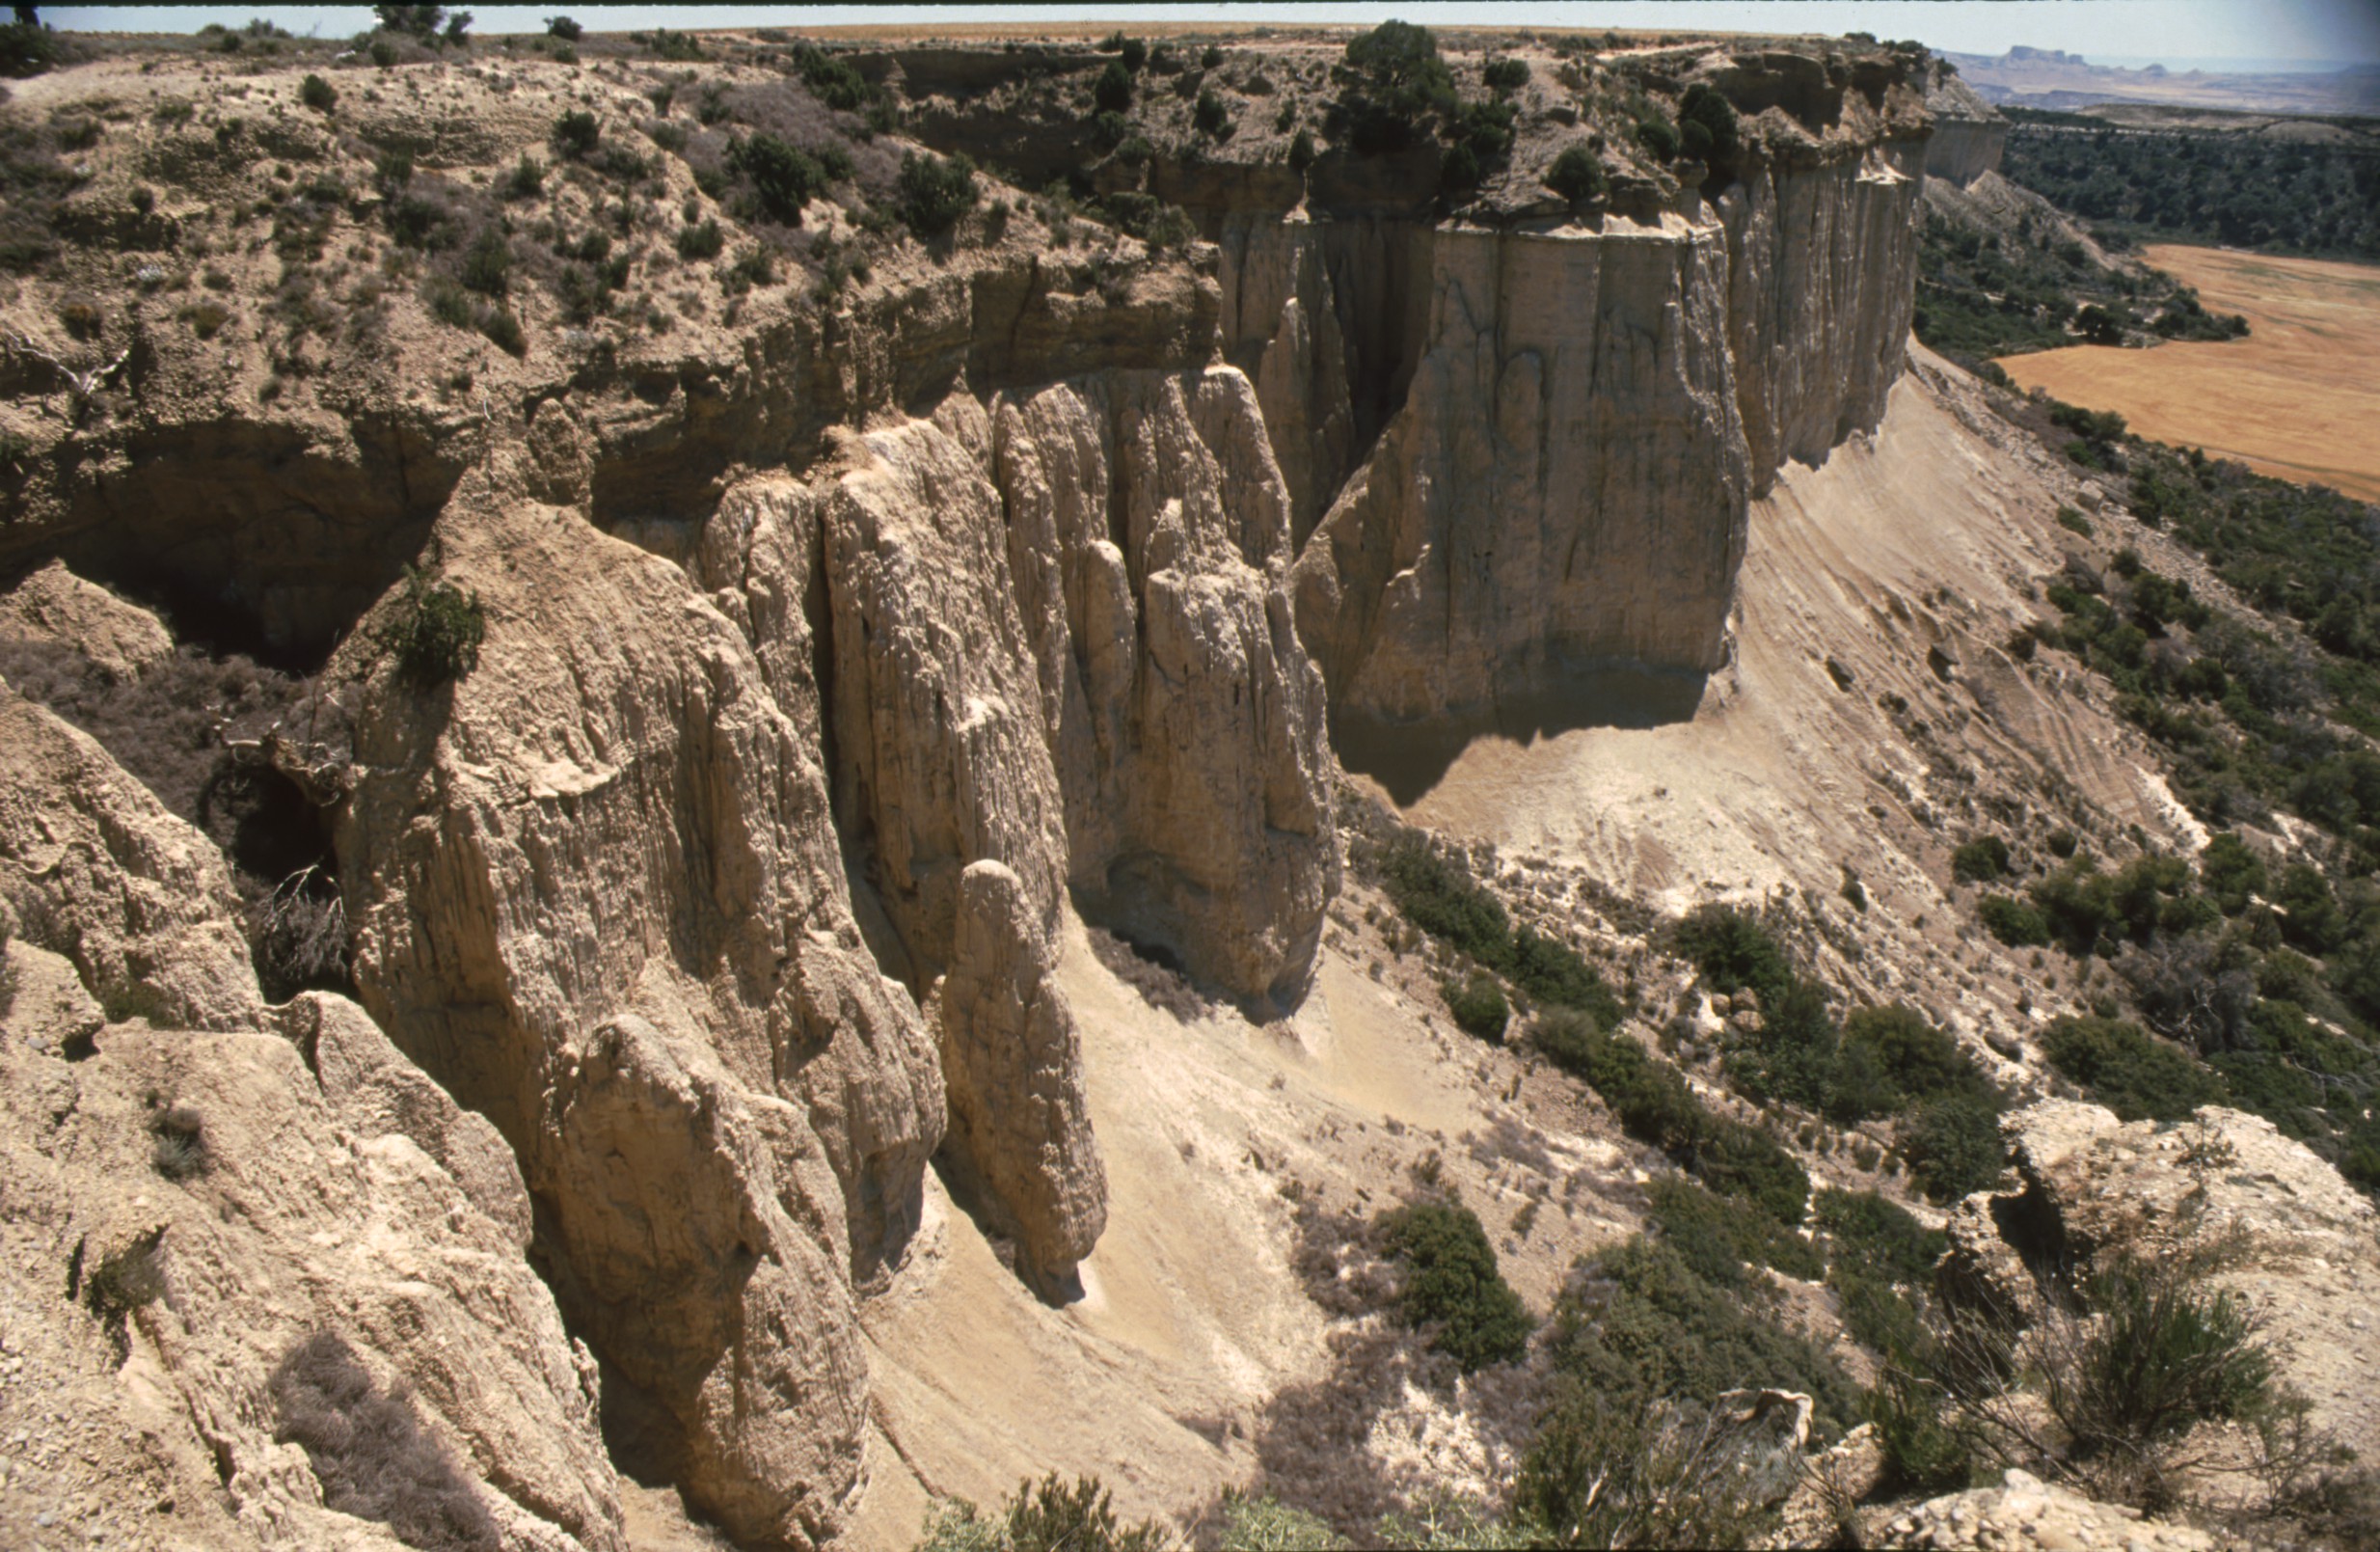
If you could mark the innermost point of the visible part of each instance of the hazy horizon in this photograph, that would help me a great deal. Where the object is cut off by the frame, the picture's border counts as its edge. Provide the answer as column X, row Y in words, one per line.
column 2207, row 35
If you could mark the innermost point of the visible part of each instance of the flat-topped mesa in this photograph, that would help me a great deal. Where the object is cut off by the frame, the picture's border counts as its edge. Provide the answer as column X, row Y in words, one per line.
column 1969, row 133
column 1524, row 449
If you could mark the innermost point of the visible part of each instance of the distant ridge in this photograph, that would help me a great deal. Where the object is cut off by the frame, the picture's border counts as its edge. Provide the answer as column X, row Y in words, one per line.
column 2051, row 78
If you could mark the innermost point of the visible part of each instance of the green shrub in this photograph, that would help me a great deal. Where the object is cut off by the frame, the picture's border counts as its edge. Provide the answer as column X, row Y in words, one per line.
column 1880, row 1236
column 1919, row 1061
column 2165, row 1356
column 1265, row 1524
column 565, row 29
column 1660, row 137
column 1707, row 124
column 2123, row 1066
column 1210, row 117
column 1923, row 1452
column 1566, row 1036
column 1451, row 1283
column 317, row 94
column 1654, row 1106
column 784, row 177
column 1734, row 951
column 2011, row 921
column 1793, row 1057
column 1302, row 151
column 1953, row 1146
column 2230, row 872
column 1504, row 74
column 503, row 327
column 1638, row 1323
column 1112, row 92
column 1717, row 1237
column 435, row 630
column 1392, row 85
column 1980, row 861
column 178, row 1147
column 833, row 80
column 1628, row 1471
column 27, row 49
column 935, row 192
column 705, row 241
column 372, row 1454
column 575, row 133
column 1439, row 897
column 487, row 263
column 1578, row 176
column 678, row 47
column 527, row 180
column 1477, row 1007
column 448, row 305
column 1554, row 974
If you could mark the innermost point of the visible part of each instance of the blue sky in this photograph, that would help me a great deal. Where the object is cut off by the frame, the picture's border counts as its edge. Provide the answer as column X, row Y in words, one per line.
column 2179, row 33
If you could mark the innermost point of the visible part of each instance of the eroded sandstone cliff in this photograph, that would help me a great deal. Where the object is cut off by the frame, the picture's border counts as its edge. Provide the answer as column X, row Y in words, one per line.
column 832, row 657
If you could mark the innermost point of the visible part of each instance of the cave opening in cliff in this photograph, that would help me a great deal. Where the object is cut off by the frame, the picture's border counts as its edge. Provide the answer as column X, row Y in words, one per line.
column 199, row 732
column 246, row 537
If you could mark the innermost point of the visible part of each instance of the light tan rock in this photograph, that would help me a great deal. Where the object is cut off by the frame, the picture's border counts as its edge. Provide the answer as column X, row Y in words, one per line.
column 2031, row 1516
column 1148, row 532
column 940, row 756
column 378, row 1091
column 46, row 1005
column 53, row 604
column 597, row 893
column 1968, row 134
column 306, row 1218
column 1564, row 485
column 102, row 872
column 2283, row 1231
column 1012, row 1060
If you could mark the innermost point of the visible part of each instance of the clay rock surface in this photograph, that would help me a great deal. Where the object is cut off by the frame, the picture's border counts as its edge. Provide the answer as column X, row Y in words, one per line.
column 1148, row 541
column 2026, row 1514
column 597, row 893
column 2309, row 1244
column 1582, row 417
column 1012, row 1061
column 102, row 872
column 53, row 604
column 1968, row 135
column 941, row 760
column 1565, row 483
column 151, row 1419
column 1054, row 637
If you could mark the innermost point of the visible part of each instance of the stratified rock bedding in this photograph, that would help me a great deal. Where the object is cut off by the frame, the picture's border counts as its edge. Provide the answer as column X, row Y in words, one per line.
column 828, row 663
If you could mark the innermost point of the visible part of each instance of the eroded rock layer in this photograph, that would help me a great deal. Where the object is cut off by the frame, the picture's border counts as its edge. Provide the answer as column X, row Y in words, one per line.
column 828, row 662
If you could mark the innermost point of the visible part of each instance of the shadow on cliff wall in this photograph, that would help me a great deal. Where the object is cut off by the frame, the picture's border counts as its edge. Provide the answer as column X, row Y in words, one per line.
column 1410, row 758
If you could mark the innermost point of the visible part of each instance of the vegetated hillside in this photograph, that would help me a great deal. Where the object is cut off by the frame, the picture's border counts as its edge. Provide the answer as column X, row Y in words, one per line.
column 2267, row 714
column 2002, row 271
column 2309, row 187
column 791, row 668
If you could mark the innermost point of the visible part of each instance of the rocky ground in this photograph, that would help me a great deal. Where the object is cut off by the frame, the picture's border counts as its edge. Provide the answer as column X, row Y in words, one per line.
column 729, row 736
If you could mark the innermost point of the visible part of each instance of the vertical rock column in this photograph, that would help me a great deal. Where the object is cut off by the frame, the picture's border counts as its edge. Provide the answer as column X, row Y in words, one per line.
column 946, row 793
column 1020, row 1131
column 596, row 893
column 1148, row 536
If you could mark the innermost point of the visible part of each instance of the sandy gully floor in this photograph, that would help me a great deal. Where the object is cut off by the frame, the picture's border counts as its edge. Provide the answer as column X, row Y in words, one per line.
column 2299, row 398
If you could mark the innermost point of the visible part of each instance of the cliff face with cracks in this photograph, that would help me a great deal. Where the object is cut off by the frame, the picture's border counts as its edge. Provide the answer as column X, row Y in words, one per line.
column 831, row 660
column 1581, row 416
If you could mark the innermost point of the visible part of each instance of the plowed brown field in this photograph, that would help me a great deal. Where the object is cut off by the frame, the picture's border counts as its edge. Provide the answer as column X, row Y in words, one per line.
column 2299, row 398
